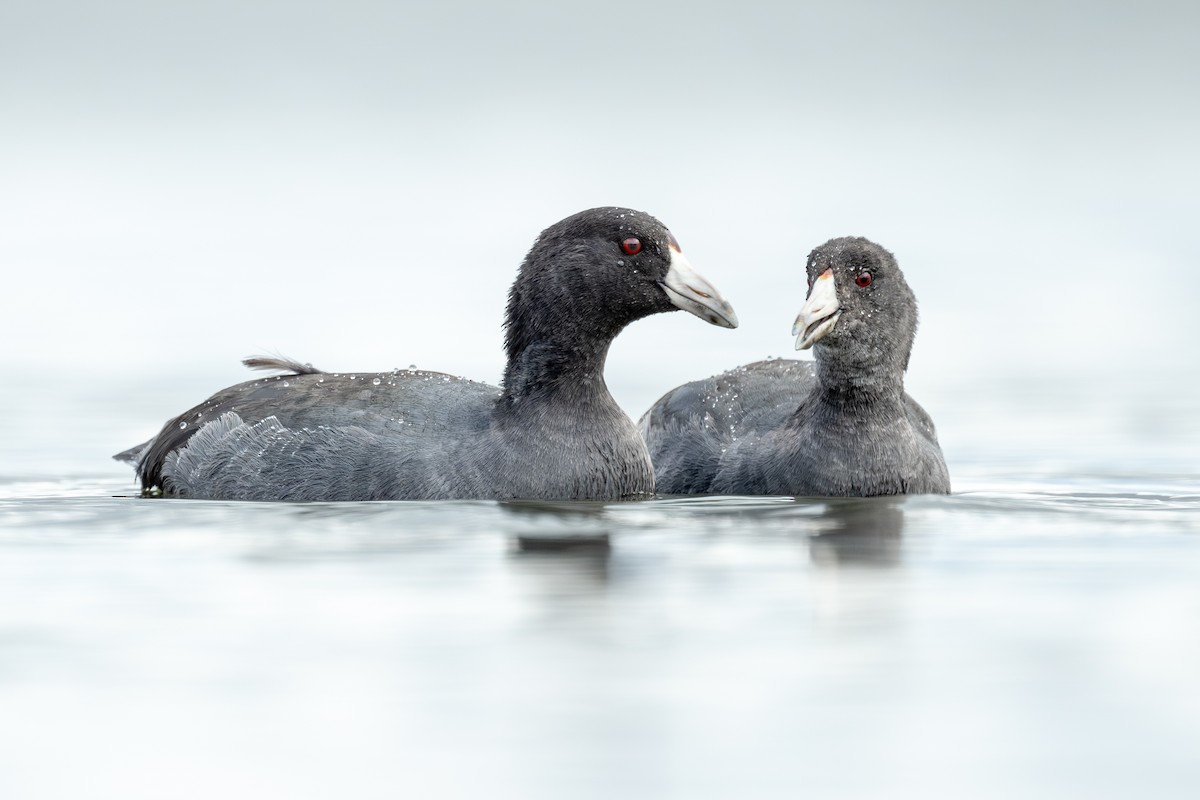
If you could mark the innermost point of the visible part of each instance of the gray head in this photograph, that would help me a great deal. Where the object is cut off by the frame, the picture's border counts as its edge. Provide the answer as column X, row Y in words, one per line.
column 860, row 313
column 590, row 275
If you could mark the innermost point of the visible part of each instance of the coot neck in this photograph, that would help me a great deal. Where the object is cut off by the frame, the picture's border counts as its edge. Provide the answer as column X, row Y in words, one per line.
column 567, row 363
column 843, row 384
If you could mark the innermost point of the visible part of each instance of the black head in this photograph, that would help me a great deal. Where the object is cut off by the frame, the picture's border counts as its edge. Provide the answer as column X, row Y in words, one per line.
column 593, row 273
column 860, row 310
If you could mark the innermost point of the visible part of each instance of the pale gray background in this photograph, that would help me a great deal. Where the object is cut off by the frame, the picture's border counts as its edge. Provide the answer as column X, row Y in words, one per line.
column 354, row 183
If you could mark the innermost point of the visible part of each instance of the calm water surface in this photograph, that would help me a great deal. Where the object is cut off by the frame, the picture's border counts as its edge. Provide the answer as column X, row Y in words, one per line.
column 1036, row 634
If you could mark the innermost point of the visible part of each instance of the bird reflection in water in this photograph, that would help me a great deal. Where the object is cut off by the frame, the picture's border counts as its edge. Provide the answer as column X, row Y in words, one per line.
column 840, row 532
column 859, row 531
column 574, row 533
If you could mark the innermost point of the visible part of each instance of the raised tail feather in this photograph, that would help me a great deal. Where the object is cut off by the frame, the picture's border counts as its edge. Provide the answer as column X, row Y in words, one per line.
column 133, row 455
column 281, row 363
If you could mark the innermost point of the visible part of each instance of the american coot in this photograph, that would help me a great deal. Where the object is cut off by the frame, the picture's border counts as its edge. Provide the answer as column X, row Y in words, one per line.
column 552, row 431
column 839, row 426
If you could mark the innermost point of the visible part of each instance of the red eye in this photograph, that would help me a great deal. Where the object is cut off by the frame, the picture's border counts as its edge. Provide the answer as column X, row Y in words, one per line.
column 863, row 279
column 632, row 246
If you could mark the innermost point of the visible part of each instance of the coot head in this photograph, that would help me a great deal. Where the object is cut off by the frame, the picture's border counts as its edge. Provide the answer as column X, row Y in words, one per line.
column 596, row 271
column 859, row 308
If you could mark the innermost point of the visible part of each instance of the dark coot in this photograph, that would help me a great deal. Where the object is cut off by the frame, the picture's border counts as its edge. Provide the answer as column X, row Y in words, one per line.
column 838, row 426
column 551, row 431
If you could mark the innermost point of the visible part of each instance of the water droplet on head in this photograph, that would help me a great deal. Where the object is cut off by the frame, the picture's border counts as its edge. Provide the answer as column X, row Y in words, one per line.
column 182, row 425
column 285, row 383
column 377, row 381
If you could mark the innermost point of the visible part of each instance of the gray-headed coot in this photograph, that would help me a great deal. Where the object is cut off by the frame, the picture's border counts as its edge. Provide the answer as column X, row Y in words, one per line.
column 840, row 426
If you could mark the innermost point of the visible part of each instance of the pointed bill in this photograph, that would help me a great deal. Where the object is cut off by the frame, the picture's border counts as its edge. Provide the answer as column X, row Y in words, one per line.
column 688, row 290
column 819, row 314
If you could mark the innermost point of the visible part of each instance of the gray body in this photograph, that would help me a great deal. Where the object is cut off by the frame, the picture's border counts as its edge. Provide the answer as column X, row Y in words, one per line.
column 412, row 435
column 769, row 428
column 552, row 431
column 838, row 426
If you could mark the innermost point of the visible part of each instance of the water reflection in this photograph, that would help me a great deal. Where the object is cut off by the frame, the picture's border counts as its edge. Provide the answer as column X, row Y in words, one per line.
column 837, row 531
column 551, row 526
column 590, row 543
column 859, row 531
column 560, row 541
